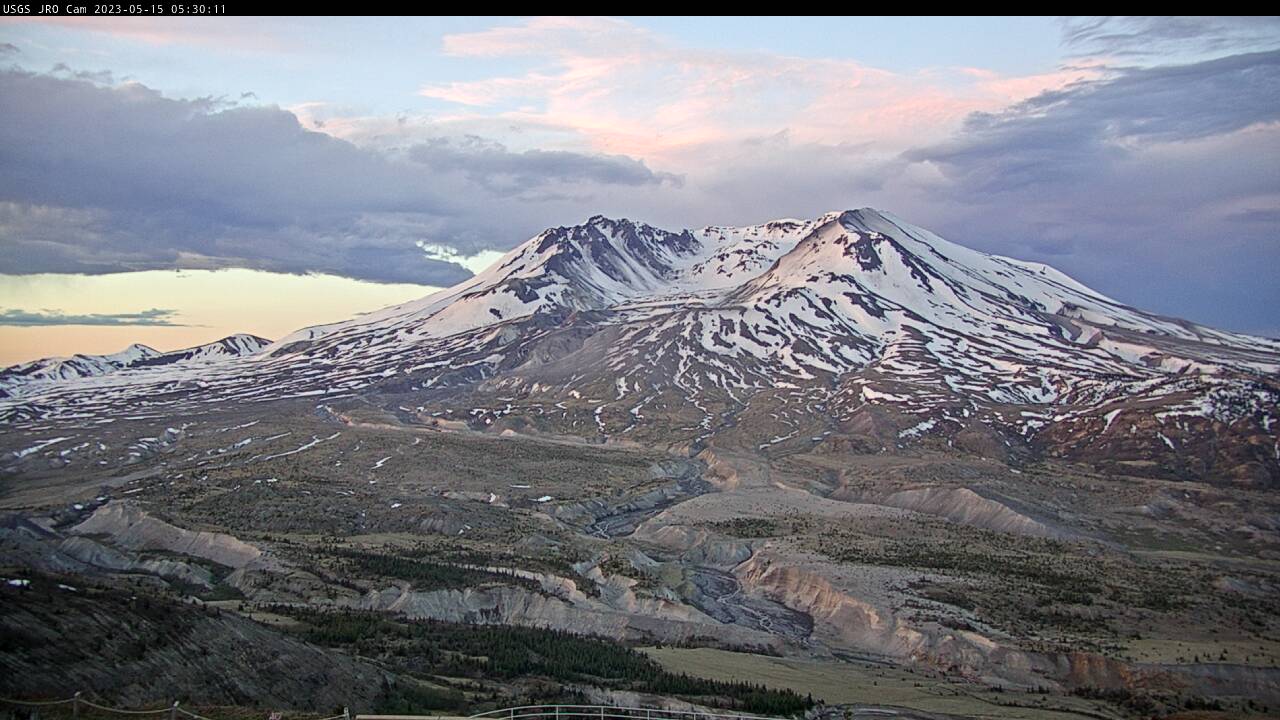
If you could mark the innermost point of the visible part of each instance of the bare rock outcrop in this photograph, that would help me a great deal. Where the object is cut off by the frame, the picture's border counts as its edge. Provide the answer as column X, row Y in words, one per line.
column 840, row 619
column 962, row 505
column 100, row 556
column 130, row 527
column 637, row 619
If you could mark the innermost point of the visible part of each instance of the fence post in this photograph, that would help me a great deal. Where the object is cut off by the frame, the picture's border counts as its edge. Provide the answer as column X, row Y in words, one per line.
column 173, row 711
column 346, row 712
column 75, row 705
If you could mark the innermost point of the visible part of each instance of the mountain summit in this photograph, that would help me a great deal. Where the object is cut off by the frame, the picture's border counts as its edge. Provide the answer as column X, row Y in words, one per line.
column 15, row 379
column 855, row 329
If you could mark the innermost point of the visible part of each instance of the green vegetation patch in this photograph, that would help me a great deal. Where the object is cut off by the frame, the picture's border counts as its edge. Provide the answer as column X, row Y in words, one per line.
column 430, row 648
column 426, row 574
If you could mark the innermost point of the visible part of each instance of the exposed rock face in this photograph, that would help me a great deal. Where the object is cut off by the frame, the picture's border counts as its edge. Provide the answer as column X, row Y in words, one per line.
column 622, row 616
column 960, row 505
column 608, row 517
column 130, row 527
column 845, row 621
column 728, row 470
column 1218, row 679
column 100, row 556
column 856, row 625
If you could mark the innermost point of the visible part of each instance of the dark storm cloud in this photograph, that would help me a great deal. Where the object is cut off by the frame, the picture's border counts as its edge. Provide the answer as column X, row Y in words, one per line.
column 98, row 178
column 29, row 318
column 75, row 144
column 1158, row 185
column 1152, row 36
column 504, row 171
column 1065, row 135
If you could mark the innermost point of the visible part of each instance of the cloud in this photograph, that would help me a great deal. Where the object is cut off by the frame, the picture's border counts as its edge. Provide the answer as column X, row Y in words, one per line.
column 30, row 318
column 1061, row 136
column 98, row 77
column 627, row 90
column 98, row 177
column 1156, row 184
column 1146, row 37
column 8, row 49
column 505, row 172
column 1151, row 183
column 1064, row 135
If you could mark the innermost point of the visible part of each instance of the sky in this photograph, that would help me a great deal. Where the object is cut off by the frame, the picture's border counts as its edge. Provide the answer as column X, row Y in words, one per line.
column 175, row 180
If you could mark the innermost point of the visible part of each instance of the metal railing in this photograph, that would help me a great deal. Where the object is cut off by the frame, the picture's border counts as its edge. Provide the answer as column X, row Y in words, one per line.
column 77, row 702
column 606, row 712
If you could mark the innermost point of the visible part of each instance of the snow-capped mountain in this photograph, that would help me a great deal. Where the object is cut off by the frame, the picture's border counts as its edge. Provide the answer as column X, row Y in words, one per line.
column 855, row 329
column 17, row 378
column 76, row 366
column 593, row 266
column 232, row 346
column 855, row 280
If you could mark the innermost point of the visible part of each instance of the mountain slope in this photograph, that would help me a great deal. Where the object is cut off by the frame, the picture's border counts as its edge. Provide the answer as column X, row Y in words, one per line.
column 76, row 366
column 592, row 266
column 860, row 275
column 855, row 330
column 14, row 379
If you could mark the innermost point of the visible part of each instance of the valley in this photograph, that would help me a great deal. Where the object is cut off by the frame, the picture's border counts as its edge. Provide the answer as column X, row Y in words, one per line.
column 829, row 466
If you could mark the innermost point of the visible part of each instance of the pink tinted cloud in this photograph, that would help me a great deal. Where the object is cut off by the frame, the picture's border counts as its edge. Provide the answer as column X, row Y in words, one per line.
column 539, row 36
column 627, row 90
